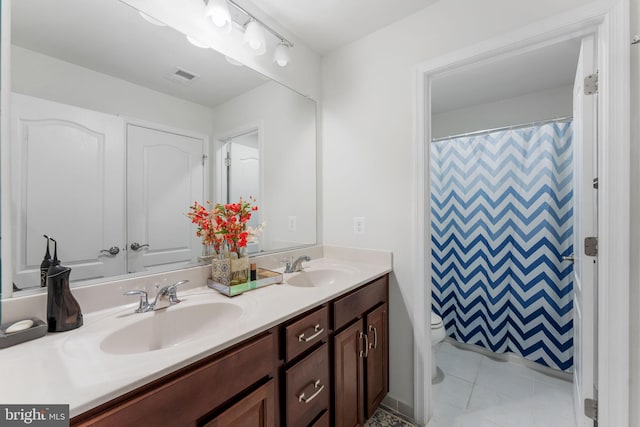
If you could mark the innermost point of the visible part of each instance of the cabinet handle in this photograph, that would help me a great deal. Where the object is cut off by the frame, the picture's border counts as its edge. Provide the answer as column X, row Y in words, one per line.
column 365, row 352
column 375, row 337
column 319, row 387
column 317, row 331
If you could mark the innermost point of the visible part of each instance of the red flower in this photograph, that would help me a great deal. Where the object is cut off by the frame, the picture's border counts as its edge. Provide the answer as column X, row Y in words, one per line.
column 224, row 222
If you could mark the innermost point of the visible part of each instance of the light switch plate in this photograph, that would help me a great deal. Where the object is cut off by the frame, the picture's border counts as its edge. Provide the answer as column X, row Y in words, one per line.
column 358, row 225
column 292, row 223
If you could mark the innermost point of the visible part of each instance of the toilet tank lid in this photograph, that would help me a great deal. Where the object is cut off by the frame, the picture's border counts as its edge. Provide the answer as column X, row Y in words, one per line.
column 436, row 320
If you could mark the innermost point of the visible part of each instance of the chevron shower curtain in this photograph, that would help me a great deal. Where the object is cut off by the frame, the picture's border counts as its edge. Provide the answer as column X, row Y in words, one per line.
column 501, row 209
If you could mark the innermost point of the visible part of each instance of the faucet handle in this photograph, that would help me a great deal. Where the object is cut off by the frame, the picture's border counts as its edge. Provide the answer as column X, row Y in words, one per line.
column 181, row 282
column 144, row 300
column 173, row 293
column 288, row 263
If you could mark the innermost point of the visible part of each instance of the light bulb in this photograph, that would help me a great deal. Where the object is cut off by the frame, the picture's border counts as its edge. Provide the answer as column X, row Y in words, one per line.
column 254, row 37
column 281, row 54
column 218, row 12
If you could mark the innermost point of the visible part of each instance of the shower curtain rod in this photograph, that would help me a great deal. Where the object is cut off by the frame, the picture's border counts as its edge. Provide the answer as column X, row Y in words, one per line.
column 482, row 132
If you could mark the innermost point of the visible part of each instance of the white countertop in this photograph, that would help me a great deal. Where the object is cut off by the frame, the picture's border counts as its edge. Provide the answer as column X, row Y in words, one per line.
column 71, row 368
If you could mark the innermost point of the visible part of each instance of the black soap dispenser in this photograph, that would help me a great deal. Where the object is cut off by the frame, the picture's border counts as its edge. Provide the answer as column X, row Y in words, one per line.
column 46, row 263
column 63, row 311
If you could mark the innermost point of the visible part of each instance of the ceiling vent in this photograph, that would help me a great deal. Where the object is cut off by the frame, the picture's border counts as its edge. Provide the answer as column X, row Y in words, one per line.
column 182, row 76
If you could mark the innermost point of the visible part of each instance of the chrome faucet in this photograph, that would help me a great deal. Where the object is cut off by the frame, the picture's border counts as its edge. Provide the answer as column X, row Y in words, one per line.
column 295, row 266
column 166, row 297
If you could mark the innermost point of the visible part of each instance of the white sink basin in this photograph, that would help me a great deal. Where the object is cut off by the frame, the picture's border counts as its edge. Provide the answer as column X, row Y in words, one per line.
column 320, row 276
column 170, row 327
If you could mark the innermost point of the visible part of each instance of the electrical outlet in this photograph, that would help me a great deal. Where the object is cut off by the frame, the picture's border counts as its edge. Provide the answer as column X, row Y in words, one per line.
column 292, row 223
column 358, row 225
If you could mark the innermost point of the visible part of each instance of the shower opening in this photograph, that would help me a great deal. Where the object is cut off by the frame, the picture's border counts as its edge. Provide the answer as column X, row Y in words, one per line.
column 501, row 223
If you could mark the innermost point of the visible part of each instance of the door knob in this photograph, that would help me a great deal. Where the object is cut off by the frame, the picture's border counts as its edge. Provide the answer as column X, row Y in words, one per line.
column 135, row 246
column 569, row 258
column 113, row 250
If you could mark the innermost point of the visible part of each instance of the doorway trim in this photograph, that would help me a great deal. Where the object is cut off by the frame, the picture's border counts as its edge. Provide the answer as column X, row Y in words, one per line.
column 217, row 162
column 610, row 22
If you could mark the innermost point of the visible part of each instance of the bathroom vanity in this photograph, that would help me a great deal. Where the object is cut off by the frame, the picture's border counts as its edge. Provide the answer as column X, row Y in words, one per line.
column 285, row 376
column 311, row 351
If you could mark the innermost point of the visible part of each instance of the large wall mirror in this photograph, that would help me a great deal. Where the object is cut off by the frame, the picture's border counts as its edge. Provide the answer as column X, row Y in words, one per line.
column 119, row 124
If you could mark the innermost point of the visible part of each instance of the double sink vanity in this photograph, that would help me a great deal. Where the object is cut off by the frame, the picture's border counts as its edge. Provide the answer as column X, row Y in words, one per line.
column 310, row 351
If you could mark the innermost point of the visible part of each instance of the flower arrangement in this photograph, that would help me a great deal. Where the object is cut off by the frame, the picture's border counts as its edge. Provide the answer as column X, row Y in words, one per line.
column 225, row 224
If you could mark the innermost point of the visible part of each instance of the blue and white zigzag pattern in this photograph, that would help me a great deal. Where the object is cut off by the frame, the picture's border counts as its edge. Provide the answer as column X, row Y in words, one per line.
column 501, row 209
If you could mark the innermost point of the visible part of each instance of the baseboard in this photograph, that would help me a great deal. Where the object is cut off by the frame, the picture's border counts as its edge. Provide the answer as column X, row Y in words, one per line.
column 514, row 358
column 398, row 408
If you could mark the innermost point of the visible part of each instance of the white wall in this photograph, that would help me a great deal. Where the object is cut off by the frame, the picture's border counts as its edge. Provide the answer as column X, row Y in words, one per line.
column 543, row 105
column 46, row 77
column 368, row 99
column 288, row 158
column 634, row 300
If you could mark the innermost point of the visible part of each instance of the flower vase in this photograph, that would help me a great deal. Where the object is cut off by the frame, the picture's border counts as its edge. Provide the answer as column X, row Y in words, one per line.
column 208, row 253
column 239, row 269
column 221, row 270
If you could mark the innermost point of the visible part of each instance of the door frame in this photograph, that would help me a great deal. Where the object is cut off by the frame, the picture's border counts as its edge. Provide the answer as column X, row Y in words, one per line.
column 219, row 141
column 609, row 20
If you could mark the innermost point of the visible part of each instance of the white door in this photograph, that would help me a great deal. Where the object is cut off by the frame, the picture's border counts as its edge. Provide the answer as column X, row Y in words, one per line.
column 585, row 225
column 68, row 183
column 165, row 175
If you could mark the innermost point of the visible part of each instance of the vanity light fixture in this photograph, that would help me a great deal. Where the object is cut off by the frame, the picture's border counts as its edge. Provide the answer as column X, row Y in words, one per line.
column 254, row 37
column 254, row 29
column 218, row 12
column 281, row 54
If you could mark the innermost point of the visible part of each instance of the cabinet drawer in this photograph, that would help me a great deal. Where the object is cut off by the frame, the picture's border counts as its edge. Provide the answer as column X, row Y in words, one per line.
column 307, row 388
column 358, row 302
column 257, row 409
column 323, row 421
column 181, row 400
column 306, row 332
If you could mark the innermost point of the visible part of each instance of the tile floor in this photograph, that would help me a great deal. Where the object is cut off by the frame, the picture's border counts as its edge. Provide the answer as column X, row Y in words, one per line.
column 479, row 391
column 384, row 418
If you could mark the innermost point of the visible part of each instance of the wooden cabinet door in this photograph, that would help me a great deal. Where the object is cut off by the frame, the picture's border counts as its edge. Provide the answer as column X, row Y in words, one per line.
column 255, row 410
column 377, row 366
column 348, row 375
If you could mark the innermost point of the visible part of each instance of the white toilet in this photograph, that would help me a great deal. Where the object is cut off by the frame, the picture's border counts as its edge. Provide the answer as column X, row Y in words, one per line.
column 438, row 334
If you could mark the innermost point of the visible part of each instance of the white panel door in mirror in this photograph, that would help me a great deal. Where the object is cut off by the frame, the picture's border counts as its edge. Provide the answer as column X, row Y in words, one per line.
column 68, row 183
column 165, row 175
